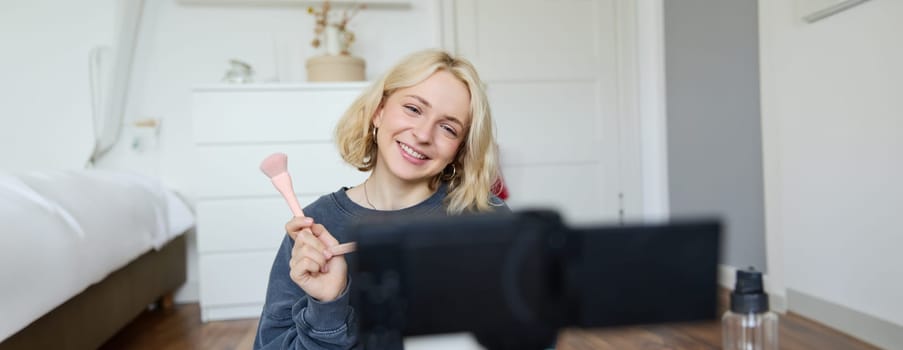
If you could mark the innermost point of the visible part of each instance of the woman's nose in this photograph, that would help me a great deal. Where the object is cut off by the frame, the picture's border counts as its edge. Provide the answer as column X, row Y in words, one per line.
column 422, row 131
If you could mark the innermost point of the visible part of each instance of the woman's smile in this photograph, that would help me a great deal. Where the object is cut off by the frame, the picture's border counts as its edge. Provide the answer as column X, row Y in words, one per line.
column 412, row 154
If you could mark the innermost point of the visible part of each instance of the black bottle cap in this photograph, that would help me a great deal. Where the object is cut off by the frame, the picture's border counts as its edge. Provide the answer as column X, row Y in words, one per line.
column 749, row 295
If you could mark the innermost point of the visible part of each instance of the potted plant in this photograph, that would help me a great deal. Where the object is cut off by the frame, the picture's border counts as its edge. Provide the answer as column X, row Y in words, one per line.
column 331, row 32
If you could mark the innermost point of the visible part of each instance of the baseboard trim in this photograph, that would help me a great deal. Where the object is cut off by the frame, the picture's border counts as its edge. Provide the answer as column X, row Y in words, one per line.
column 230, row 312
column 777, row 300
column 867, row 328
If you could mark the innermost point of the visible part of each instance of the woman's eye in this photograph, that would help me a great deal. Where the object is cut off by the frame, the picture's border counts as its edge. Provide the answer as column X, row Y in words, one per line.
column 450, row 130
column 413, row 109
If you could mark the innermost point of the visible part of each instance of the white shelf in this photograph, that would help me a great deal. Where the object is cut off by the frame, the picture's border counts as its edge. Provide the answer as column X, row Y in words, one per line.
column 369, row 3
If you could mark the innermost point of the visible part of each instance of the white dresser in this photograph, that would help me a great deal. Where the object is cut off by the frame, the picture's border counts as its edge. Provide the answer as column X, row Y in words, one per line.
column 240, row 216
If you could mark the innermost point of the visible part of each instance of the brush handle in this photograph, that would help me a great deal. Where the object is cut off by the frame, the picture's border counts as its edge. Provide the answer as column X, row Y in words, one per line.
column 283, row 183
column 343, row 248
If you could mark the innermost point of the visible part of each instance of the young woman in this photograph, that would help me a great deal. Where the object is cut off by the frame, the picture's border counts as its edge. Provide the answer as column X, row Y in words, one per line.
column 425, row 133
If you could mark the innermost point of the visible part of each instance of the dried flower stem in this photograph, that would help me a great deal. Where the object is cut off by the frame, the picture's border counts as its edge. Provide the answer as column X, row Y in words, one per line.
column 322, row 20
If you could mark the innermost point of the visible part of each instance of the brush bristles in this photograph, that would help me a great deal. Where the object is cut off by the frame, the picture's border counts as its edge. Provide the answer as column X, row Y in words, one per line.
column 274, row 164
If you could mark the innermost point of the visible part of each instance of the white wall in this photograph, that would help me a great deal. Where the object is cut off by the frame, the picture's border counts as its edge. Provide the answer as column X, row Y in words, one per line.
column 45, row 111
column 183, row 46
column 45, row 115
column 832, row 121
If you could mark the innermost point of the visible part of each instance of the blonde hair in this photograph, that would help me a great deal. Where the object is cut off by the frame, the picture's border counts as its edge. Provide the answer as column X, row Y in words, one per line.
column 475, row 165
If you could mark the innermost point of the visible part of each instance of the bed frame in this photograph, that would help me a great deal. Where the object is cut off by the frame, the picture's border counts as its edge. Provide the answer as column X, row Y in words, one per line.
column 92, row 317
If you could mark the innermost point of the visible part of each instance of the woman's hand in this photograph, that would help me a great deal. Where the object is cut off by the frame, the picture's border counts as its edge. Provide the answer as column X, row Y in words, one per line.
column 313, row 268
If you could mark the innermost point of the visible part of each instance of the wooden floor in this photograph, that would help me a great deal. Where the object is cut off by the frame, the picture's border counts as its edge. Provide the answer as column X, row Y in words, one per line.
column 181, row 328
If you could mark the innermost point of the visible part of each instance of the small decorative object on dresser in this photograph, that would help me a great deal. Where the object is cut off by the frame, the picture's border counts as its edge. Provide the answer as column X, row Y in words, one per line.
column 331, row 32
column 239, row 73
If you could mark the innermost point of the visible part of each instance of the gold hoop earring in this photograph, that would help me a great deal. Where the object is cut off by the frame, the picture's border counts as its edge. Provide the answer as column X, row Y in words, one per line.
column 454, row 173
column 374, row 133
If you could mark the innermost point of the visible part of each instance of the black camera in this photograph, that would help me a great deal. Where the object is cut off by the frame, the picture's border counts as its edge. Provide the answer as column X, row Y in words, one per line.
column 514, row 280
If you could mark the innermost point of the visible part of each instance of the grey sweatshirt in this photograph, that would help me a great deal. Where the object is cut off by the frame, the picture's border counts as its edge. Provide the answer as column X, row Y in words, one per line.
column 292, row 320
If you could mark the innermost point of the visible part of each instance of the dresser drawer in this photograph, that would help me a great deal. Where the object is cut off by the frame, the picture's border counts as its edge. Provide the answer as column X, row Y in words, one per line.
column 240, row 215
column 230, row 171
column 230, row 225
column 306, row 112
column 234, row 278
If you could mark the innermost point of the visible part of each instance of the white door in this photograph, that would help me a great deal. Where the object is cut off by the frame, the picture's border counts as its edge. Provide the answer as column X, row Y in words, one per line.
column 551, row 67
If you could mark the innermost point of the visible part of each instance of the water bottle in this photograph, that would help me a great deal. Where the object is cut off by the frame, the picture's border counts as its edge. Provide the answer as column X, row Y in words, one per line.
column 749, row 325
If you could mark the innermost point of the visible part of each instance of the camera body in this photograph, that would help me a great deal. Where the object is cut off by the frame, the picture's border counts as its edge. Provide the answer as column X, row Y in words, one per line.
column 515, row 279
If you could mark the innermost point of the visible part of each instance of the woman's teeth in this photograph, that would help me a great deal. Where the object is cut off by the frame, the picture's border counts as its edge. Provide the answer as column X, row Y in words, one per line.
column 411, row 151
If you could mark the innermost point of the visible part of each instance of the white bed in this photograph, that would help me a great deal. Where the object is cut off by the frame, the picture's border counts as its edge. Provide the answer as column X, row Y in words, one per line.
column 82, row 252
column 66, row 230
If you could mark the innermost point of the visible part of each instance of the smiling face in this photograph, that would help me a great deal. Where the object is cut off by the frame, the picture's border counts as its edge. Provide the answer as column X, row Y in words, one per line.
column 421, row 127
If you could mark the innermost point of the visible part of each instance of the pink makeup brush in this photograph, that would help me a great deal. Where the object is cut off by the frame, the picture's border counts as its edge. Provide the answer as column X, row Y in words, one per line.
column 275, row 166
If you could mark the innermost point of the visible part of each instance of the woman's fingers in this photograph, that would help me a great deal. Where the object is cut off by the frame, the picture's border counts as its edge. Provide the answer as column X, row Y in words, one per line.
column 324, row 236
column 313, row 254
column 307, row 246
column 307, row 265
column 304, row 266
column 296, row 224
column 314, row 241
column 306, row 237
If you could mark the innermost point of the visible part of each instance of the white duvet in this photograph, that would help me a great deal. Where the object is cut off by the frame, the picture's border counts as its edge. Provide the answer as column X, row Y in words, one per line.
column 62, row 231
